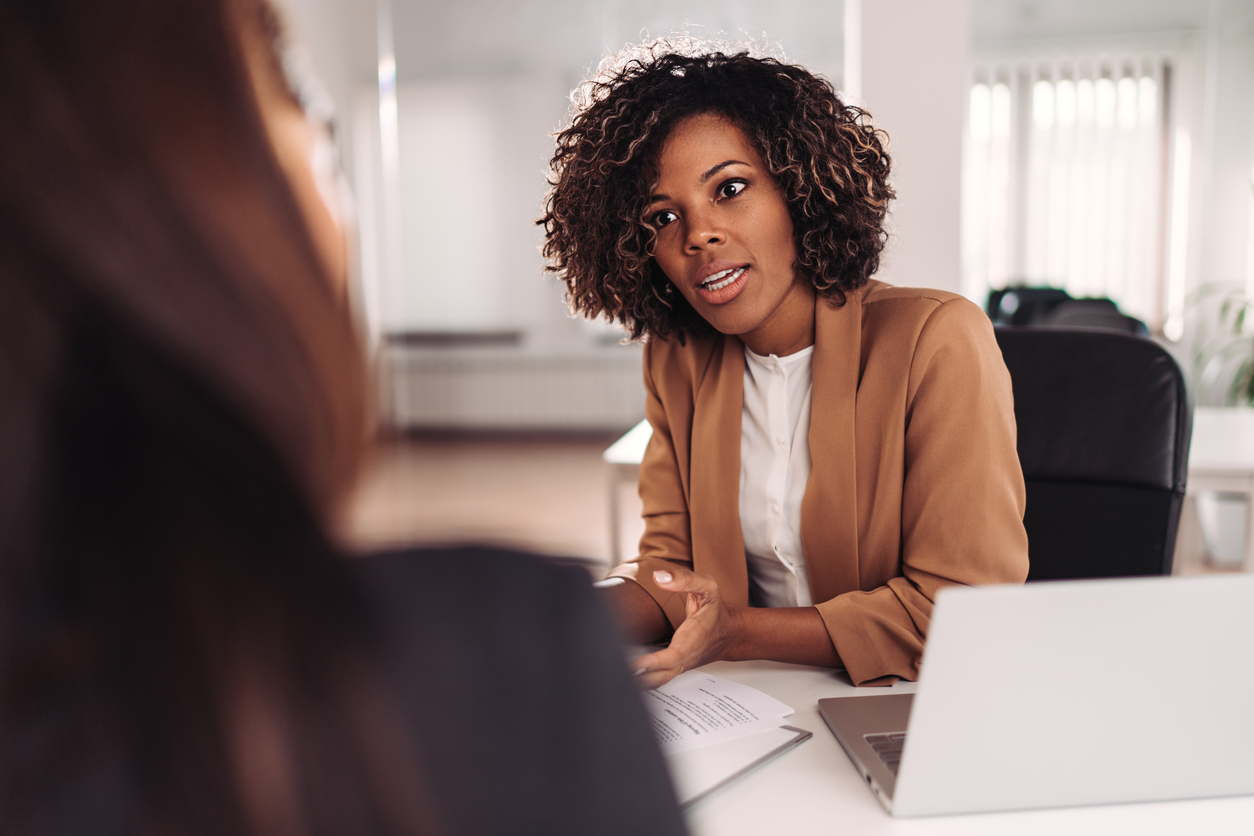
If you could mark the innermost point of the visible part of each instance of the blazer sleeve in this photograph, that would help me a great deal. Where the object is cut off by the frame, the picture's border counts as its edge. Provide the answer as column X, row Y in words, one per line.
column 667, row 538
column 963, row 496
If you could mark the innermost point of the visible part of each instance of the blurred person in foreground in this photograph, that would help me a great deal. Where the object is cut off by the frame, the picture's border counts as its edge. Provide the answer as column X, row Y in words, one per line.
column 828, row 451
column 183, row 647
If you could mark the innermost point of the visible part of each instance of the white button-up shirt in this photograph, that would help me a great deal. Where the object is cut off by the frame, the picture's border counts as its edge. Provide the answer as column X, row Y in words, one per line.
column 774, row 468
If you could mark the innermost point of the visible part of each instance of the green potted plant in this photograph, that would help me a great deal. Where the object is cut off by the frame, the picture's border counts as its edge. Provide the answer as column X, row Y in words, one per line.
column 1218, row 357
column 1221, row 348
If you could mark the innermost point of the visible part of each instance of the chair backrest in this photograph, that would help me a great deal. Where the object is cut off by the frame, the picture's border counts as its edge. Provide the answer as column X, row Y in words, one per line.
column 1093, row 313
column 1023, row 305
column 1104, row 423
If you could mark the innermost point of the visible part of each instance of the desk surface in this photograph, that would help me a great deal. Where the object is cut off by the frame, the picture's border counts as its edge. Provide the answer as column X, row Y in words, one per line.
column 815, row 789
column 629, row 449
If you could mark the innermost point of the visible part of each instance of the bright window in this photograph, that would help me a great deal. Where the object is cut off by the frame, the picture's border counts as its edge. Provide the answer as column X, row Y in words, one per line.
column 1064, row 177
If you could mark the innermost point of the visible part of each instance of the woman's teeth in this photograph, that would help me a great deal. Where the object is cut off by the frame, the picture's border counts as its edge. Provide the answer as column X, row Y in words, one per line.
column 723, row 278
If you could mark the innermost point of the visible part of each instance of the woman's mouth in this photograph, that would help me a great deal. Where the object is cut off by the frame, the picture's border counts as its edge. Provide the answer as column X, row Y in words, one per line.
column 723, row 278
column 724, row 286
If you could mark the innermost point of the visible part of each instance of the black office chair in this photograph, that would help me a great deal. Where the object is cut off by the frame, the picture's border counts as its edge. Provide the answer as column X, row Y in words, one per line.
column 1104, row 426
column 1023, row 305
column 1093, row 313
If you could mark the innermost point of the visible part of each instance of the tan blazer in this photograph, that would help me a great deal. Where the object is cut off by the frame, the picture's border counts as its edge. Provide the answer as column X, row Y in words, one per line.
column 915, row 482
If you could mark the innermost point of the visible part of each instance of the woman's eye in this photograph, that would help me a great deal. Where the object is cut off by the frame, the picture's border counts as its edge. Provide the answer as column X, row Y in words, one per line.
column 663, row 218
column 731, row 188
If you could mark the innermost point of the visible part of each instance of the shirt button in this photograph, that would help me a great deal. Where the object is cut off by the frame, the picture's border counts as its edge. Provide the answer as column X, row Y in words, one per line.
column 775, row 509
column 780, row 439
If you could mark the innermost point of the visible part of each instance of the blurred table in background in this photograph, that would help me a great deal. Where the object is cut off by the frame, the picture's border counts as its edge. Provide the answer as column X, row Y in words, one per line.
column 623, row 457
column 1221, row 459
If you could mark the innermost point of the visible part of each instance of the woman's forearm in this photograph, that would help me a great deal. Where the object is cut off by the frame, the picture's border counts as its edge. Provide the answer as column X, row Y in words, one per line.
column 640, row 617
column 714, row 630
column 781, row 634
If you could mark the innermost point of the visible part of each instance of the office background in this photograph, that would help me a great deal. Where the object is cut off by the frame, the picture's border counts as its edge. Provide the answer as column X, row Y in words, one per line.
column 1102, row 146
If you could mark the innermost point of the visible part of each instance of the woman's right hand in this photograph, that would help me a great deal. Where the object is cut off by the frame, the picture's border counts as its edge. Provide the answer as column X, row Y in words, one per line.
column 707, row 634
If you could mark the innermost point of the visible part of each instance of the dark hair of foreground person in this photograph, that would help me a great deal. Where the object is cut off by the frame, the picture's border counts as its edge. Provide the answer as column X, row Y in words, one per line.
column 183, row 647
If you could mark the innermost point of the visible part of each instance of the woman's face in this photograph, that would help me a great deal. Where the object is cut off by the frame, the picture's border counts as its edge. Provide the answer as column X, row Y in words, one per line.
column 725, row 239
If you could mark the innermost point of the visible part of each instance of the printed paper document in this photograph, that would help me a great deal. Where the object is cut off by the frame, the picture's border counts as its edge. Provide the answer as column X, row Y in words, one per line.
column 696, row 709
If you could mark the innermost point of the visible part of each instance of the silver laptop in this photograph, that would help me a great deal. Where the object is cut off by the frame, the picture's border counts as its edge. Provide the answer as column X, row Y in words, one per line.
column 1066, row 693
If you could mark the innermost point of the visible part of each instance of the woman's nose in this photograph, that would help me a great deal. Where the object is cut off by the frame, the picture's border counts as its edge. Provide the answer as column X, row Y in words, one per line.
column 703, row 232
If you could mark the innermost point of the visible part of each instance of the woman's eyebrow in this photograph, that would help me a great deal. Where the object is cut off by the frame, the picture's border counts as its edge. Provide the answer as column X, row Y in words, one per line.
column 716, row 169
column 704, row 178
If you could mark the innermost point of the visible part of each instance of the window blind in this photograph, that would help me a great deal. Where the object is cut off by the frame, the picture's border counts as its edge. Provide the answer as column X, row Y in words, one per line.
column 1064, row 178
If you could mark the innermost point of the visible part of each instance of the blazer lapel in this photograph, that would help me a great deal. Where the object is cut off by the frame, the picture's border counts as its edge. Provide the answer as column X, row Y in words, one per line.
column 829, row 509
column 717, row 544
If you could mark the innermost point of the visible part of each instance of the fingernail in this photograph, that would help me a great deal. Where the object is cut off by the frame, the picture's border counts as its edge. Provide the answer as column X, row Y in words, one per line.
column 641, row 671
column 662, row 576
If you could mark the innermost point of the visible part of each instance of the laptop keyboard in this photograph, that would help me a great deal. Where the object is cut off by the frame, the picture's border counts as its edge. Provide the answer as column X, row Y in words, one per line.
column 888, row 747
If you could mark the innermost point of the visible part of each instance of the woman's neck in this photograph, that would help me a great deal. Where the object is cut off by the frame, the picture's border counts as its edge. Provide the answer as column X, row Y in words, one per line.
column 790, row 327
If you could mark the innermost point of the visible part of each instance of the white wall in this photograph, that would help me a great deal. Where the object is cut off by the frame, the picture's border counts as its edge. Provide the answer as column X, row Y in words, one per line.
column 912, row 59
column 1227, row 144
column 470, row 174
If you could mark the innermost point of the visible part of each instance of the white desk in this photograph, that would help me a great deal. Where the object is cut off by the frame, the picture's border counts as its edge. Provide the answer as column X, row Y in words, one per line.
column 1221, row 458
column 815, row 789
column 624, row 457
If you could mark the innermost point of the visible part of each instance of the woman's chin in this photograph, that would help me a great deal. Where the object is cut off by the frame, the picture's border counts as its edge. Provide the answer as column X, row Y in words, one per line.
column 732, row 326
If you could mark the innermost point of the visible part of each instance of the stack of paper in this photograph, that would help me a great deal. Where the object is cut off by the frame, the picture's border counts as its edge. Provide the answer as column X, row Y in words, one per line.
column 713, row 730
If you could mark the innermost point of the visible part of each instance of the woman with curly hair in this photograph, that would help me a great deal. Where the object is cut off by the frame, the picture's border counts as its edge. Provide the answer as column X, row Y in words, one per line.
column 828, row 451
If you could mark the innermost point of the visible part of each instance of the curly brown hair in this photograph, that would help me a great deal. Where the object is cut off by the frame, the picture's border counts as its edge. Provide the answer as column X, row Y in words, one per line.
column 826, row 156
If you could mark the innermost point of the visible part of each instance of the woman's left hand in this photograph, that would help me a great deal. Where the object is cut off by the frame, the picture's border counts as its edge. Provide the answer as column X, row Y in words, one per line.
column 705, row 636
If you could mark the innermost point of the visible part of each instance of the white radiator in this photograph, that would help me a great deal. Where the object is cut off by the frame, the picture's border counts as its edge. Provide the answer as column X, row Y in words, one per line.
column 493, row 389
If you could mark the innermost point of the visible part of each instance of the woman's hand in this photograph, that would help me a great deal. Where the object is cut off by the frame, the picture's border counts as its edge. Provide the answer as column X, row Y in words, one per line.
column 706, row 635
